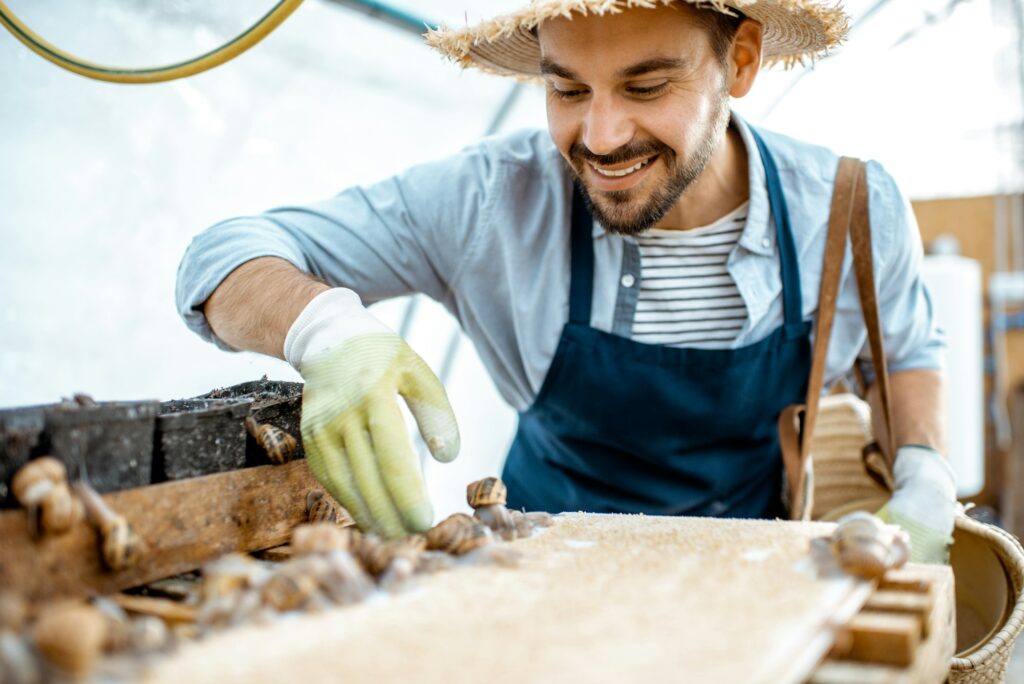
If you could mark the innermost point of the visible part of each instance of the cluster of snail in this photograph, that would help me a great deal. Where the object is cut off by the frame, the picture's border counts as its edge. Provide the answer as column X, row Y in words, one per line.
column 67, row 638
column 54, row 507
column 329, row 563
column 332, row 563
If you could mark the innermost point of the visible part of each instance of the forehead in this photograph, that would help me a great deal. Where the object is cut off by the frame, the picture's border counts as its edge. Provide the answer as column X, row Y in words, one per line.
column 614, row 40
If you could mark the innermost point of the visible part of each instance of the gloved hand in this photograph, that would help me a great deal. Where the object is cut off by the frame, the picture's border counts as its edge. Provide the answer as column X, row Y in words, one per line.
column 923, row 502
column 352, row 429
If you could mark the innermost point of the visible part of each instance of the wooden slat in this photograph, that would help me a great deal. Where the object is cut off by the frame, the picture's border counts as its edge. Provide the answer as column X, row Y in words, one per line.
column 884, row 638
column 922, row 591
column 165, row 609
column 183, row 524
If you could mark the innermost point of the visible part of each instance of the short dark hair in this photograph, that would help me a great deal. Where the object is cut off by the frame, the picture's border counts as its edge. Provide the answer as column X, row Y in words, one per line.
column 720, row 26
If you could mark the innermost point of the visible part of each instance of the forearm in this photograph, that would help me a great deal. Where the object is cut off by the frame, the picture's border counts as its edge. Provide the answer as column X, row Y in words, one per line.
column 918, row 399
column 253, row 308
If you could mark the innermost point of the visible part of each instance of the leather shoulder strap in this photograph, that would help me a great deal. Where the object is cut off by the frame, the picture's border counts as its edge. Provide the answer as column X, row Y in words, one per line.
column 863, row 264
column 844, row 198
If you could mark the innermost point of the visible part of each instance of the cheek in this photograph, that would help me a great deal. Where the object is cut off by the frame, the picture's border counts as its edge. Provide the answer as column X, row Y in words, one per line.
column 562, row 126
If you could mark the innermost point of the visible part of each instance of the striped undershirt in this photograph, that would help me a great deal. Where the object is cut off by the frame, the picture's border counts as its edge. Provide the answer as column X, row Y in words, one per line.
column 687, row 297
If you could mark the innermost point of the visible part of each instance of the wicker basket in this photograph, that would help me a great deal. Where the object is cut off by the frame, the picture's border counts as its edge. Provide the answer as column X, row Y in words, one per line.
column 987, row 562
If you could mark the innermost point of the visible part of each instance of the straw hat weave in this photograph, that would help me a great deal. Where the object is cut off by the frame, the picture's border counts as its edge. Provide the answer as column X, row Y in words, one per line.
column 794, row 30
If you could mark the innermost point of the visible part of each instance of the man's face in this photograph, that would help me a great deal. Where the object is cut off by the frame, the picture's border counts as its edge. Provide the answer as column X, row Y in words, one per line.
column 637, row 104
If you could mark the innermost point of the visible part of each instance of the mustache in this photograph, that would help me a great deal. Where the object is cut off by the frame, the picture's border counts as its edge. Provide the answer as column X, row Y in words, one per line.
column 578, row 152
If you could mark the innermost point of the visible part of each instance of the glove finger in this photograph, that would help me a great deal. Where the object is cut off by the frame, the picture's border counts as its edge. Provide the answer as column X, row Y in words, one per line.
column 428, row 402
column 327, row 459
column 386, row 520
column 399, row 466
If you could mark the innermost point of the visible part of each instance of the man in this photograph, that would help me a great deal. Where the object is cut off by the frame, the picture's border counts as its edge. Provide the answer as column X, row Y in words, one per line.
column 649, row 352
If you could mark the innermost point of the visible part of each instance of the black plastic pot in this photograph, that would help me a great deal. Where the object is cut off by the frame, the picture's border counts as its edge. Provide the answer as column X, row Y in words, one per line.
column 199, row 437
column 273, row 401
column 113, row 441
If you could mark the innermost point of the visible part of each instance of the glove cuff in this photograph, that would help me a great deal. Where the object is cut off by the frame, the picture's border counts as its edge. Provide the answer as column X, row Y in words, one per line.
column 329, row 319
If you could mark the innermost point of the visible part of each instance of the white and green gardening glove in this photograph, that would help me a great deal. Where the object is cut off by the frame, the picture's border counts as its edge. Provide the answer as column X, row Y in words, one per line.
column 923, row 502
column 352, row 428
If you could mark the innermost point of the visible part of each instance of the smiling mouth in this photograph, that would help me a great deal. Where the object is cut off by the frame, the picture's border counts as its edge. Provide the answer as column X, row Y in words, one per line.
column 619, row 173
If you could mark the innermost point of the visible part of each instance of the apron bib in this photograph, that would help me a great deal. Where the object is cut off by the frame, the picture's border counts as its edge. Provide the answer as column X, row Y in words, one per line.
column 626, row 427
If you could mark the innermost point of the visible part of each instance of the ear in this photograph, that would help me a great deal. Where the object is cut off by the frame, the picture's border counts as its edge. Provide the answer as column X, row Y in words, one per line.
column 744, row 58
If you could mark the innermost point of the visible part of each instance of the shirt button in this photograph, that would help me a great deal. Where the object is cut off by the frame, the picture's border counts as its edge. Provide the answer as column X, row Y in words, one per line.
column 628, row 280
column 766, row 243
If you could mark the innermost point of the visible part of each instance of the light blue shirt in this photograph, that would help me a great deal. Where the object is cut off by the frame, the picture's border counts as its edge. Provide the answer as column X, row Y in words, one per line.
column 486, row 233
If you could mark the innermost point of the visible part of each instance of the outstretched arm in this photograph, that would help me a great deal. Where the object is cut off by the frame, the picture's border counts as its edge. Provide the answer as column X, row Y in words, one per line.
column 253, row 308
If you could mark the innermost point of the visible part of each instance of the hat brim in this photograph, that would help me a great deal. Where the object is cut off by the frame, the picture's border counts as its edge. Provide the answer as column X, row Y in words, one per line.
column 793, row 31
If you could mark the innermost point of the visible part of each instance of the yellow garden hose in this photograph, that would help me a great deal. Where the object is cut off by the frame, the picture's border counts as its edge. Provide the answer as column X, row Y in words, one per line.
column 225, row 52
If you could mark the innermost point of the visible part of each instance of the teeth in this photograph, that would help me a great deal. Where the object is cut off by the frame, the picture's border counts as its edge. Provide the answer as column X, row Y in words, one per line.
column 623, row 172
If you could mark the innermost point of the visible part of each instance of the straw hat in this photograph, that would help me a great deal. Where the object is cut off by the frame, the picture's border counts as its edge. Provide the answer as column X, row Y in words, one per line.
column 794, row 30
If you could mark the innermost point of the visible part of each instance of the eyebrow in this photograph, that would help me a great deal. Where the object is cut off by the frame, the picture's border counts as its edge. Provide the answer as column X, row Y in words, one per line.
column 638, row 69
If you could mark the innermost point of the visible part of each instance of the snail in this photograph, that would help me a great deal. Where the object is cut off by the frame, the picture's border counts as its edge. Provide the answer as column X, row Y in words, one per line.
column 458, row 534
column 120, row 545
column 322, row 507
column 344, row 580
column 279, row 445
column 231, row 574
column 69, row 636
column 293, row 585
column 867, row 547
column 321, row 537
column 486, row 492
column 41, row 487
column 377, row 555
column 488, row 497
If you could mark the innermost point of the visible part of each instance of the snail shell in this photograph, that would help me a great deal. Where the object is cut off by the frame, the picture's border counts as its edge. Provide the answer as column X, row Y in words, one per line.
column 279, row 445
column 499, row 519
column 321, row 537
column 867, row 547
column 486, row 492
column 69, row 636
column 35, row 479
column 322, row 507
column 377, row 555
column 290, row 588
column 121, row 545
column 458, row 534
column 231, row 574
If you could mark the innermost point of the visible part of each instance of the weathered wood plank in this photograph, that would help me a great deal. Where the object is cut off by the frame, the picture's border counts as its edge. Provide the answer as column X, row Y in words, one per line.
column 182, row 525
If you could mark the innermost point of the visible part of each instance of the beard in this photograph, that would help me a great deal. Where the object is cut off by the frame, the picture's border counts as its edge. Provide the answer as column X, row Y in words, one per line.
column 621, row 211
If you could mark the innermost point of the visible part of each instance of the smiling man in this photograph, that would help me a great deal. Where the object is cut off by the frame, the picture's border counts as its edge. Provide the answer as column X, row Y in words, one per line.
column 640, row 280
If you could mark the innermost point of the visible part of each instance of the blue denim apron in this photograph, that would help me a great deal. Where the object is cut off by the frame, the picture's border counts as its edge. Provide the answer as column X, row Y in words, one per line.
column 626, row 427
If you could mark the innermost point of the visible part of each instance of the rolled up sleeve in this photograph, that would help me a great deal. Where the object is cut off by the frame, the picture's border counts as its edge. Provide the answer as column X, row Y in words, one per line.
column 402, row 235
column 910, row 333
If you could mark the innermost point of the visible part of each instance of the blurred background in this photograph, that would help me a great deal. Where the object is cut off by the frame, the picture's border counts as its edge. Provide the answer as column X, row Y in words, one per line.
column 102, row 186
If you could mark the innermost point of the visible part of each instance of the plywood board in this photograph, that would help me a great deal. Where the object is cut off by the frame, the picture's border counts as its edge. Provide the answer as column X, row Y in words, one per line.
column 596, row 598
column 182, row 524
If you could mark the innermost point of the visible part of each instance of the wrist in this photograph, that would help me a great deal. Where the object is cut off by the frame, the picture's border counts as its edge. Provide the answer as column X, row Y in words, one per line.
column 329, row 319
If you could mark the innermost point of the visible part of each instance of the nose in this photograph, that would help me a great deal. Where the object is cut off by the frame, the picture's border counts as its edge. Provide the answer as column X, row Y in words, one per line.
column 607, row 125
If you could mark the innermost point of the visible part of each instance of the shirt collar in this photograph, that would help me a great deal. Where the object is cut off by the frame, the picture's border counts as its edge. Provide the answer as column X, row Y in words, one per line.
column 758, row 236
